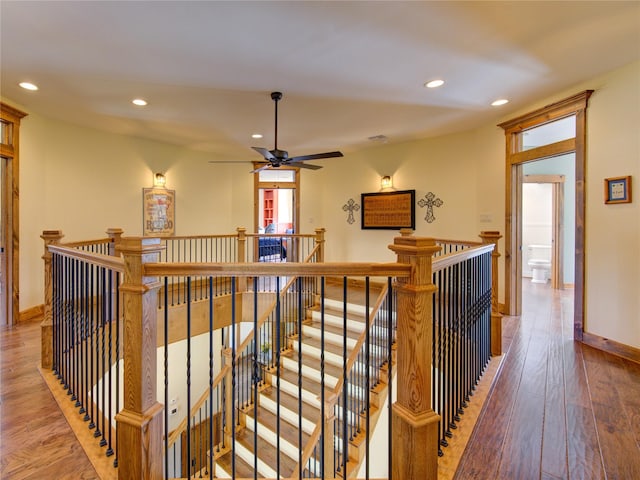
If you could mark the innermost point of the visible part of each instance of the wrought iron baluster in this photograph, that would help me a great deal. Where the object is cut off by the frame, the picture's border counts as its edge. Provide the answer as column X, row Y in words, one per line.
column 188, row 300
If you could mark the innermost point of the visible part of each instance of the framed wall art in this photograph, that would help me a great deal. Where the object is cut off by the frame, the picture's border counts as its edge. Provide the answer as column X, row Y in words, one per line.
column 617, row 190
column 158, row 211
column 389, row 210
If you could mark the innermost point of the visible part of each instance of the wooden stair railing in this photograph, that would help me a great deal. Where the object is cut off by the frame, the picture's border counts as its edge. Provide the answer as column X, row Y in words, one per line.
column 332, row 398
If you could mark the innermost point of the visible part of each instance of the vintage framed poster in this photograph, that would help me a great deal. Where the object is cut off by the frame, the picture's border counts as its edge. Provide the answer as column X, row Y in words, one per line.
column 617, row 190
column 158, row 211
column 389, row 210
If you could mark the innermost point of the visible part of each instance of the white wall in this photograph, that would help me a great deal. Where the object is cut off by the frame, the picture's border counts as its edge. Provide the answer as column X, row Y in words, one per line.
column 537, row 223
column 72, row 179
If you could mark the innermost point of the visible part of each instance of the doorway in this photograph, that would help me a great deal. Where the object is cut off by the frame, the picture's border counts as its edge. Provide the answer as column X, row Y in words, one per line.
column 10, row 212
column 3, row 242
column 536, row 136
column 277, row 212
column 548, row 220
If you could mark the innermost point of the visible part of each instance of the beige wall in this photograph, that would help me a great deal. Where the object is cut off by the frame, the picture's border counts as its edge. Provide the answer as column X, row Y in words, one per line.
column 467, row 171
column 72, row 179
column 82, row 181
column 613, row 231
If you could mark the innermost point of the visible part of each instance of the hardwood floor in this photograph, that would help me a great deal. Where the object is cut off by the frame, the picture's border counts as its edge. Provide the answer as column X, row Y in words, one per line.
column 557, row 409
column 36, row 441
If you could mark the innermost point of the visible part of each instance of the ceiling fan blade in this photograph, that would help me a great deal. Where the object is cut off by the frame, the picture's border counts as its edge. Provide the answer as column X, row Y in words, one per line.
column 229, row 162
column 259, row 169
column 305, row 165
column 315, row 156
column 265, row 153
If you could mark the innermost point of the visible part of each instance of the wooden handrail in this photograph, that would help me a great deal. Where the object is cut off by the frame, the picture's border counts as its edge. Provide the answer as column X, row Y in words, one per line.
column 86, row 243
column 175, row 434
column 278, row 235
column 444, row 261
column 315, row 250
column 467, row 243
column 106, row 261
column 187, row 237
column 278, row 269
column 353, row 357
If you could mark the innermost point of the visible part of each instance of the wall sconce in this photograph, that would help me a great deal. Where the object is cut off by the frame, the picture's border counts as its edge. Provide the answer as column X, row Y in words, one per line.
column 159, row 180
column 386, row 182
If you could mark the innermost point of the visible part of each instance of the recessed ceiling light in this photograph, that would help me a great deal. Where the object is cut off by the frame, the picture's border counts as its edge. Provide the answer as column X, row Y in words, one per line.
column 138, row 101
column 434, row 83
column 499, row 102
column 28, row 86
column 256, row 135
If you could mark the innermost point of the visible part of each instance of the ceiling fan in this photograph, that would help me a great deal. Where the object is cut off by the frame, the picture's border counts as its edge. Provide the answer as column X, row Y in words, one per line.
column 278, row 158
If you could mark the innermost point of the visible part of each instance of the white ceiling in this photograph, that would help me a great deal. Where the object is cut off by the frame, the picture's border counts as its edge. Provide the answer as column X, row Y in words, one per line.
column 348, row 70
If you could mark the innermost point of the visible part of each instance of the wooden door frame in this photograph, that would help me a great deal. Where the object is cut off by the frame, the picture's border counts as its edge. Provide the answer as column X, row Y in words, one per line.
column 557, row 226
column 9, row 149
column 515, row 158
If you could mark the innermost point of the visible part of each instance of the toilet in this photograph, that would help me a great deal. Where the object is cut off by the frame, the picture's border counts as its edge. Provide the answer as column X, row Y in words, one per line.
column 539, row 262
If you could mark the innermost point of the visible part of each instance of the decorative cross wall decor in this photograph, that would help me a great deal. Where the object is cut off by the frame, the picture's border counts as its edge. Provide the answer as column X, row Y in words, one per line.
column 351, row 206
column 430, row 202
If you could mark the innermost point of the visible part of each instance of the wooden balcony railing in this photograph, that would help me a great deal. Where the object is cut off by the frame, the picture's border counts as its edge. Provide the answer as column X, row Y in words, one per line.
column 130, row 284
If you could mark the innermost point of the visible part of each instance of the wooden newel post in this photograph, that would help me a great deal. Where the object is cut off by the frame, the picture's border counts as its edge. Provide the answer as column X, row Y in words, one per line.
column 496, row 316
column 414, row 423
column 50, row 237
column 328, row 441
column 320, row 241
column 241, row 282
column 140, row 423
column 115, row 234
column 242, row 244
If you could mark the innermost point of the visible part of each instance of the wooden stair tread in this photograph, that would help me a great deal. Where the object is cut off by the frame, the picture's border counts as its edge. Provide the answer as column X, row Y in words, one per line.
column 312, row 362
column 352, row 334
column 335, row 349
column 268, row 453
column 337, row 312
column 242, row 470
column 308, row 384
column 309, row 412
column 269, row 420
column 355, row 295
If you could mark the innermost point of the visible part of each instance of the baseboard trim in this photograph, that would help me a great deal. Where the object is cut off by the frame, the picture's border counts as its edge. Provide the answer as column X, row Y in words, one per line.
column 611, row 346
column 32, row 314
column 95, row 453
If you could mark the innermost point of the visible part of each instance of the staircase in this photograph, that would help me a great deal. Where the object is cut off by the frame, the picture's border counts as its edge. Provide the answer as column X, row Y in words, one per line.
column 281, row 423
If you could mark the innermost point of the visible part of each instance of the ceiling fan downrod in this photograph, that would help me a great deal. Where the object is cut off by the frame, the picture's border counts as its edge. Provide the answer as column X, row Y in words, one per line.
column 276, row 97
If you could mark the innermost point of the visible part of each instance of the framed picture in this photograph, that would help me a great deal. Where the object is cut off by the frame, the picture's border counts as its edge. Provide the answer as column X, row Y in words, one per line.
column 617, row 190
column 158, row 211
column 389, row 210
